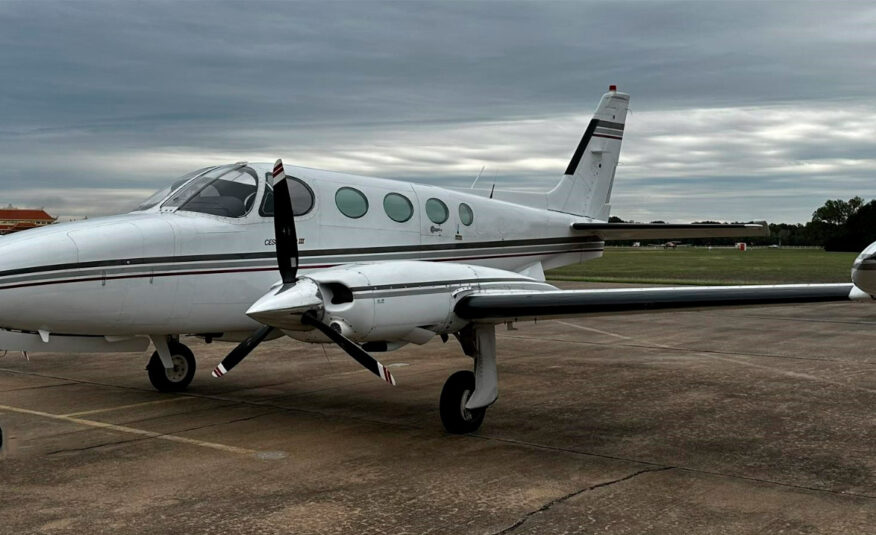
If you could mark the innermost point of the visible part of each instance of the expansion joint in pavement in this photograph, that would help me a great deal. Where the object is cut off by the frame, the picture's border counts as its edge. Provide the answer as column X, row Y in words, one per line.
column 561, row 499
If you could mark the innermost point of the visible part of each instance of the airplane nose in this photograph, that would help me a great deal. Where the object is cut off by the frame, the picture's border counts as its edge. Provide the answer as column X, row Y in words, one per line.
column 35, row 249
column 864, row 274
column 29, row 262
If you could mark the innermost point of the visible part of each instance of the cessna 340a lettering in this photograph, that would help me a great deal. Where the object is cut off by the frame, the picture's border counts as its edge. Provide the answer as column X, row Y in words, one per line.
column 249, row 252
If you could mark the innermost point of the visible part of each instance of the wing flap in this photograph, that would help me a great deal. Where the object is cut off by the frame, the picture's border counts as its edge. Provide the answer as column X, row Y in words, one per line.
column 636, row 231
column 512, row 306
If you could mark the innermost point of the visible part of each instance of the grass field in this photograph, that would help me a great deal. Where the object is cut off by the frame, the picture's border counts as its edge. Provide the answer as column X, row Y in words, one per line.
column 699, row 265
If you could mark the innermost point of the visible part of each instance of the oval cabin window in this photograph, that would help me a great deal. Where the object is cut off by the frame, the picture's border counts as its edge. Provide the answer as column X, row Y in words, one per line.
column 398, row 207
column 466, row 215
column 351, row 202
column 437, row 211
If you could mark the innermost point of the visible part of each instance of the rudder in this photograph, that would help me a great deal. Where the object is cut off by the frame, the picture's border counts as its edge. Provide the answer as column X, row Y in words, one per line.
column 585, row 188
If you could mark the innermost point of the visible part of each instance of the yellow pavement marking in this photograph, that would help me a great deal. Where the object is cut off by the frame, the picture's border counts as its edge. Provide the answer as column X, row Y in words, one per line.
column 131, row 430
column 131, row 406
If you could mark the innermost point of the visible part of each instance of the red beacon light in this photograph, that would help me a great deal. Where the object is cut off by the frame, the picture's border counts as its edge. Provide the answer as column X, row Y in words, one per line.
column 612, row 87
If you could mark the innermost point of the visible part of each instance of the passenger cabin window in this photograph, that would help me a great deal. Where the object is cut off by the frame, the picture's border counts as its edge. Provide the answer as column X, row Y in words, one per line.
column 466, row 215
column 225, row 191
column 351, row 202
column 398, row 207
column 302, row 197
column 437, row 211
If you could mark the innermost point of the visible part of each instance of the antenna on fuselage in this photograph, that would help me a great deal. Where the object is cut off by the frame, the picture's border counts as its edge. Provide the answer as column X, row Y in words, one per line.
column 477, row 177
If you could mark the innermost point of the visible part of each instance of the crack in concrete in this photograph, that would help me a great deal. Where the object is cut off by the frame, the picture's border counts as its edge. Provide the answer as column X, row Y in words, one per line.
column 522, row 443
column 546, row 507
column 534, row 445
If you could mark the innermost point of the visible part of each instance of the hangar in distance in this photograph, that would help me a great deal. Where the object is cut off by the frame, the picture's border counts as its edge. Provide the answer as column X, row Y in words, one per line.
column 247, row 252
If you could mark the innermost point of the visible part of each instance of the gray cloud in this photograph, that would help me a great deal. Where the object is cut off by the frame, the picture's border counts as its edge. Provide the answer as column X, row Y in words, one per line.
column 735, row 105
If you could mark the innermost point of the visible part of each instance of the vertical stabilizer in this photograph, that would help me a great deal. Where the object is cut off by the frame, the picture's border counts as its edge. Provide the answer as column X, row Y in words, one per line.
column 585, row 188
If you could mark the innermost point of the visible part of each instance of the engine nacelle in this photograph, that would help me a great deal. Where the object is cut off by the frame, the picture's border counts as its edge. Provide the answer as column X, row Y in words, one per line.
column 403, row 301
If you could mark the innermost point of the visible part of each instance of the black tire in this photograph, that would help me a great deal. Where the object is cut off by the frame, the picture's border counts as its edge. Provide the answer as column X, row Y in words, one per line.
column 176, row 379
column 455, row 417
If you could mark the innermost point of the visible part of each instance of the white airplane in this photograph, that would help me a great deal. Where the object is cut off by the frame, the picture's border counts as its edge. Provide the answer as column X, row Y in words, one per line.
column 864, row 275
column 366, row 263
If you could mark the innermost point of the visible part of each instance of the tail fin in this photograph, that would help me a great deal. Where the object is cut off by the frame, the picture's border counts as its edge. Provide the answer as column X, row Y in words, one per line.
column 585, row 189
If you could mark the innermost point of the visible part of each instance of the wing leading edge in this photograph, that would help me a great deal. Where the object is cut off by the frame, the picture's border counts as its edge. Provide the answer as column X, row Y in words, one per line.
column 513, row 306
column 635, row 231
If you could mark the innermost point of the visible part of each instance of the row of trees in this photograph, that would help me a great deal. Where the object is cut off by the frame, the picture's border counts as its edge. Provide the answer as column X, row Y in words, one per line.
column 837, row 226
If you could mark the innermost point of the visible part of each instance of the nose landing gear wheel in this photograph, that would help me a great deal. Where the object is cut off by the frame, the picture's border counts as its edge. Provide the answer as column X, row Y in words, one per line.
column 455, row 417
column 175, row 379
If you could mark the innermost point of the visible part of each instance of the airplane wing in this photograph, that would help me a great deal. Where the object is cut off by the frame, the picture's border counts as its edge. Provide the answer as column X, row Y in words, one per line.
column 498, row 307
column 635, row 231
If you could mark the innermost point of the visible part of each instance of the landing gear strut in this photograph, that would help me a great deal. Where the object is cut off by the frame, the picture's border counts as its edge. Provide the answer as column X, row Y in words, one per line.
column 177, row 376
column 466, row 395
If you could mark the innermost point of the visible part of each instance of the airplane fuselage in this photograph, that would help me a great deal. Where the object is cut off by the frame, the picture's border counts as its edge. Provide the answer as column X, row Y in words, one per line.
column 168, row 271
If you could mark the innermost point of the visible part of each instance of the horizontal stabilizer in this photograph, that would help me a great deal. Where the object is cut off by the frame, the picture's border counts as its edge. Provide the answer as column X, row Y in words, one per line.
column 644, row 231
column 514, row 306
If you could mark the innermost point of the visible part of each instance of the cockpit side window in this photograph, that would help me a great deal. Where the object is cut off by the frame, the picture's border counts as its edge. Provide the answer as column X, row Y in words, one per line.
column 225, row 192
column 302, row 197
column 159, row 195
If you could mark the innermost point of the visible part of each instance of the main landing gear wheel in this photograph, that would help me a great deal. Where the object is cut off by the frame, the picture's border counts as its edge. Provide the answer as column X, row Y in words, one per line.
column 175, row 379
column 455, row 417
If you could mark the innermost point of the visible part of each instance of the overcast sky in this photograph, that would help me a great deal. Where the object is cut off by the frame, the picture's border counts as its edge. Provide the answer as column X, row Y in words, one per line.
column 739, row 110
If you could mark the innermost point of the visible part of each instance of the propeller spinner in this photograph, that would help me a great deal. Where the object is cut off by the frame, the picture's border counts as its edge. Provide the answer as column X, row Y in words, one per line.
column 295, row 300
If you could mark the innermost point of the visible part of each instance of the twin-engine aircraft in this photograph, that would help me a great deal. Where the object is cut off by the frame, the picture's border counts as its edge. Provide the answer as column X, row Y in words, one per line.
column 249, row 252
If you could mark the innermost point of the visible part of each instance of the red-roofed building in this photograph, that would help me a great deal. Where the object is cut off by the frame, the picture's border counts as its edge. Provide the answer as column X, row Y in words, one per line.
column 17, row 219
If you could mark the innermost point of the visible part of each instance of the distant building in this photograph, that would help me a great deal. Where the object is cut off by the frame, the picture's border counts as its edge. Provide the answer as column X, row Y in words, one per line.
column 17, row 219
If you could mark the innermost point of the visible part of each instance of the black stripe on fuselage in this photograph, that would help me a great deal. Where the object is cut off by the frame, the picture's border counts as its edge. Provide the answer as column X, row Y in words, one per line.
column 304, row 254
column 136, row 261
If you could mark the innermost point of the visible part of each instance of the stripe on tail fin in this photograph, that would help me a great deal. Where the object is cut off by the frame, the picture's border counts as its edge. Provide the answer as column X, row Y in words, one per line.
column 585, row 188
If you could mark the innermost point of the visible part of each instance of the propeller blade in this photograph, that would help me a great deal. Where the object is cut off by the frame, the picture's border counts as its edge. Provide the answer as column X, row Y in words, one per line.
column 242, row 350
column 352, row 349
column 284, row 226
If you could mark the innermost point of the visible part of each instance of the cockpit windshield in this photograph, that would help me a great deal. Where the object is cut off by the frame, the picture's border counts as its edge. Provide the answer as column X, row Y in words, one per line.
column 227, row 191
column 161, row 194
